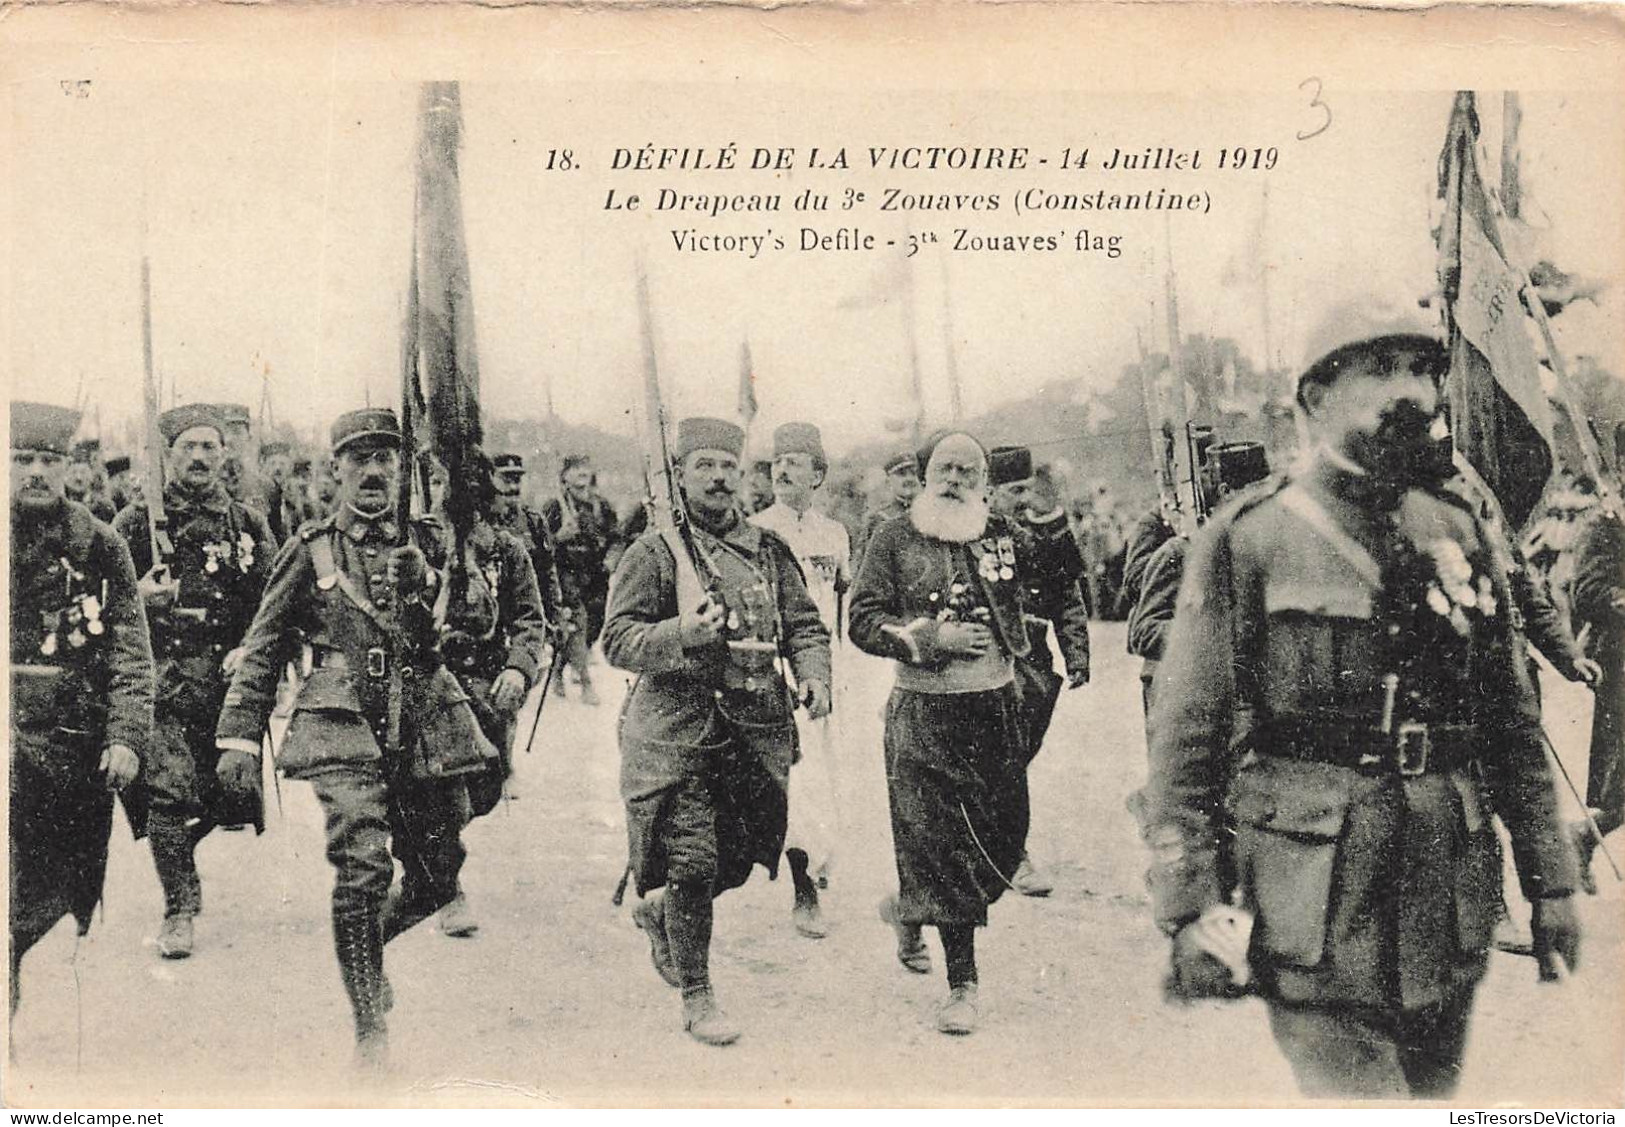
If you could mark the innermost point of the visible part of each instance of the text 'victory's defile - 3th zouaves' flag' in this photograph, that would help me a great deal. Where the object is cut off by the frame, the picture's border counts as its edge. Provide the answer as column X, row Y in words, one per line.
column 1500, row 415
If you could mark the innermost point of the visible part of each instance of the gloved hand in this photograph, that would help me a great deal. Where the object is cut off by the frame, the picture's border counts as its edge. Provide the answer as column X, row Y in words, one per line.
column 158, row 588
column 1207, row 954
column 701, row 626
column 1556, row 931
column 1584, row 670
column 815, row 695
column 238, row 771
column 1076, row 678
column 120, row 765
column 407, row 570
column 508, row 690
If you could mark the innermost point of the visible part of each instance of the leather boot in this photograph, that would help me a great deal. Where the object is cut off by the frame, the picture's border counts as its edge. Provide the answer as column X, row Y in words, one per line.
column 172, row 845
column 360, row 948
column 806, row 915
column 650, row 916
column 704, row 1020
column 402, row 912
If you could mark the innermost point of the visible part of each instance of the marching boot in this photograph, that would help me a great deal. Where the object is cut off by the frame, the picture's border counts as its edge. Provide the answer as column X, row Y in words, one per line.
column 360, row 948
column 688, row 930
column 401, row 913
column 457, row 919
column 589, row 695
column 1029, row 881
column 957, row 1016
column 808, row 919
column 172, row 845
column 911, row 949
column 650, row 916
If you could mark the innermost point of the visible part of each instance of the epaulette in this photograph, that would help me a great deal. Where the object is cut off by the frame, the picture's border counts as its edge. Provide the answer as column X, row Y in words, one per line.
column 314, row 528
column 1250, row 498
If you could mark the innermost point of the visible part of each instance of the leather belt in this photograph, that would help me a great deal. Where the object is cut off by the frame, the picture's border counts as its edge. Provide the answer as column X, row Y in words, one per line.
column 377, row 661
column 1411, row 749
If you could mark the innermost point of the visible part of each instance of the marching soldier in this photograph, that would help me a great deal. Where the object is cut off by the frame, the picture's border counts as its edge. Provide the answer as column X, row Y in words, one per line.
column 587, row 533
column 902, row 486
column 199, row 600
column 81, row 685
column 708, row 732
column 381, row 728
column 509, row 512
column 85, row 482
column 820, row 546
column 1054, row 595
column 122, row 487
column 492, row 639
column 1341, row 705
column 237, row 475
column 941, row 593
column 1599, row 602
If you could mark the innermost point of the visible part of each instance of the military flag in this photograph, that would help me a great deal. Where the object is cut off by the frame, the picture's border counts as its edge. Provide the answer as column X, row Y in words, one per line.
column 1500, row 415
column 441, row 369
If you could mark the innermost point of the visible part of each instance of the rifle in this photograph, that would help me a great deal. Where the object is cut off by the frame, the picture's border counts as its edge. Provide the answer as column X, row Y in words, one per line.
column 666, row 510
column 1197, row 440
column 157, row 521
column 553, row 666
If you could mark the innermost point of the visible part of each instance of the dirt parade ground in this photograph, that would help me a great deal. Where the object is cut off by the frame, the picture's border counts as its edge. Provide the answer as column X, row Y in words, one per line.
column 554, row 1002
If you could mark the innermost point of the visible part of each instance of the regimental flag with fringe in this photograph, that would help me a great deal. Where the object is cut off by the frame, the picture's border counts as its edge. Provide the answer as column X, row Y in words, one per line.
column 1500, row 415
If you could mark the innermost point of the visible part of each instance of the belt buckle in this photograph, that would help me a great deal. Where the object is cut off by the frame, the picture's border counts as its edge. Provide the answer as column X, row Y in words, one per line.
column 377, row 664
column 1414, row 746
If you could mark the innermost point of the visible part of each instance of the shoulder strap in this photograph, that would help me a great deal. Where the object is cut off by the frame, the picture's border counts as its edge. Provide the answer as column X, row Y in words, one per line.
column 329, row 575
column 690, row 591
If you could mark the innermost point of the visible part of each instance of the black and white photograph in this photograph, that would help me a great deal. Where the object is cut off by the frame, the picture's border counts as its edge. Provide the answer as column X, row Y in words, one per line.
column 915, row 556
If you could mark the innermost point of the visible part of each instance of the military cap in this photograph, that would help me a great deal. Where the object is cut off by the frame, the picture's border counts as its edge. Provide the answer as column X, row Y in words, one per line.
column 1238, row 464
column 117, row 464
column 87, row 450
column 178, row 420
column 508, row 463
column 1370, row 329
column 368, row 422
column 1006, row 464
column 42, row 427
column 572, row 461
column 233, row 413
column 302, row 464
column 274, row 447
column 709, row 434
column 900, row 461
column 800, row 438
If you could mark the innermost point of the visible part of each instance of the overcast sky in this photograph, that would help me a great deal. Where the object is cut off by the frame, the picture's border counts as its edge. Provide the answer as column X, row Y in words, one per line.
column 278, row 221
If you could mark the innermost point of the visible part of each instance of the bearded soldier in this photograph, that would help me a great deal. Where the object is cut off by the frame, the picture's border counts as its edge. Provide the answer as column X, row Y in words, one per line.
column 1054, row 595
column 820, row 546
column 380, row 728
column 941, row 593
column 708, row 732
column 81, row 685
column 200, row 600
column 1341, row 705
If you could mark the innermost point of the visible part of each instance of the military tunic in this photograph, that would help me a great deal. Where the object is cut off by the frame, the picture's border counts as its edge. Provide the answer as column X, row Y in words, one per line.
column 587, row 538
column 1053, row 571
column 1599, row 601
column 380, row 727
column 82, row 679
column 707, row 737
column 222, row 556
column 498, row 624
column 1350, row 812
column 955, row 738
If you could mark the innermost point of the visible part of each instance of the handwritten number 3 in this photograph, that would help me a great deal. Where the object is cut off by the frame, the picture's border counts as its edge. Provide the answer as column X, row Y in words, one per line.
column 1316, row 103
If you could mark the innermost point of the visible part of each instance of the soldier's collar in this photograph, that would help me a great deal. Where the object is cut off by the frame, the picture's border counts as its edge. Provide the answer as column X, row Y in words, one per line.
column 359, row 526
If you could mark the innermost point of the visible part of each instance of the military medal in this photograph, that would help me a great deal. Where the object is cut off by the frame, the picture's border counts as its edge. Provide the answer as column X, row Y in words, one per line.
column 76, row 638
column 245, row 551
column 91, row 607
column 48, row 647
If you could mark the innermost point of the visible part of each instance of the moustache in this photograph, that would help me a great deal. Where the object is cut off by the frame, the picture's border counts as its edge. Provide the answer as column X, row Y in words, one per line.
column 373, row 482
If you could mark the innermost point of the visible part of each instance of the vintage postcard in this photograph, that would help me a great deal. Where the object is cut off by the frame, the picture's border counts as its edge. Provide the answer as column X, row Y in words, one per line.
column 832, row 555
